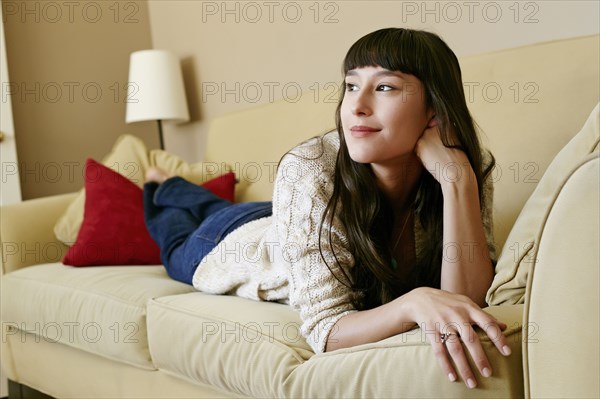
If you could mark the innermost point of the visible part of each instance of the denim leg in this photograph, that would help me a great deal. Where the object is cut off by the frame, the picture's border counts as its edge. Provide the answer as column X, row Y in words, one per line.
column 186, row 252
column 170, row 228
column 182, row 258
column 179, row 193
column 218, row 225
column 223, row 222
column 188, row 221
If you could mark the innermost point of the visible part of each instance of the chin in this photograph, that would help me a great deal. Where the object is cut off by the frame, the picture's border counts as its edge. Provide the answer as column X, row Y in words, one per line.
column 360, row 157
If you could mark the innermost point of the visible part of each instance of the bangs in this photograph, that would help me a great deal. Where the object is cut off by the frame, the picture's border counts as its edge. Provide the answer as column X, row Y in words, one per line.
column 393, row 49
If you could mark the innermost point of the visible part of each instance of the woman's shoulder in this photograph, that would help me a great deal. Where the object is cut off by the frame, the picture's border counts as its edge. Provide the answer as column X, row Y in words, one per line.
column 487, row 158
column 326, row 144
column 317, row 154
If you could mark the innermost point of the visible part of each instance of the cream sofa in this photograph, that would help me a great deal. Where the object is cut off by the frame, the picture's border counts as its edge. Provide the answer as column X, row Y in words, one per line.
column 131, row 332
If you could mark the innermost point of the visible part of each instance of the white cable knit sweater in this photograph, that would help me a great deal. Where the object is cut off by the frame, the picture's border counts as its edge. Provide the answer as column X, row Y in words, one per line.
column 277, row 258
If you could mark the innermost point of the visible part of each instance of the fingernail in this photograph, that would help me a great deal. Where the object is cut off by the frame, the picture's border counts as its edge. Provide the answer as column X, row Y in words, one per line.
column 486, row 372
column 506, row 350
column 471, row 383
column 451, row 377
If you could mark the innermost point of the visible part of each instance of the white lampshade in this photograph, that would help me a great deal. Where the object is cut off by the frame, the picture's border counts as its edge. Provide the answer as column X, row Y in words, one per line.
column 155, row 89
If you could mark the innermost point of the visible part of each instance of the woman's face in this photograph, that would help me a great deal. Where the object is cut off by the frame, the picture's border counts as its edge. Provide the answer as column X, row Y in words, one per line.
column 383, row 114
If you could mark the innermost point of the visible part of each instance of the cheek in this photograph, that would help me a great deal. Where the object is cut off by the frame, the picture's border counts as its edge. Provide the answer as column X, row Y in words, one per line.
column 411, row 118
column 344, row 122
column 407, row 131
column 345, row 113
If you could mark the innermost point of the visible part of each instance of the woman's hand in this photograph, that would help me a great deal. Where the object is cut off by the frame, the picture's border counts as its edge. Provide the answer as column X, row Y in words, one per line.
column 439, row 312
column 436, row 312
column 447, row 165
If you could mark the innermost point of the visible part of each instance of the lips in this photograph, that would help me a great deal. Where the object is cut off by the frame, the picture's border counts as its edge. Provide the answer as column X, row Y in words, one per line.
column 363, row 131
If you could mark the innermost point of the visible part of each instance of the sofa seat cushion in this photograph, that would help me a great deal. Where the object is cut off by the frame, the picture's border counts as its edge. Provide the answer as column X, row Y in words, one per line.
column 255, row 349
column 101, row 310
column 240, row 345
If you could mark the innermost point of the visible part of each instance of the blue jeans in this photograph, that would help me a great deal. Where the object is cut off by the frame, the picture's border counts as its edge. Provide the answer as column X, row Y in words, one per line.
column 187, row 221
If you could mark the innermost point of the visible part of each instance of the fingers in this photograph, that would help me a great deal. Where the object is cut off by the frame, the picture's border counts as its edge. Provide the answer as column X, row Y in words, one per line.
column 493, row 329
column 453, row 344
column 500, row 342
column 448, row 349
column 473, row 344
column 456, row 351
column 441, row 354
column 449, row 327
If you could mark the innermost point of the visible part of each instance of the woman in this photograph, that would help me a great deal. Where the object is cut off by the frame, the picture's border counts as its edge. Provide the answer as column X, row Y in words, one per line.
column 375, row 229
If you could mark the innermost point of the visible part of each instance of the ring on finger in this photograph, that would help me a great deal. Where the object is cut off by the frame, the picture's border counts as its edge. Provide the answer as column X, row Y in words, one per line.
column 445, row 336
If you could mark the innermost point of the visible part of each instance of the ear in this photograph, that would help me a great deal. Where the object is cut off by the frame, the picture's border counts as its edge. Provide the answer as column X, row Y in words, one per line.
column 432, row 118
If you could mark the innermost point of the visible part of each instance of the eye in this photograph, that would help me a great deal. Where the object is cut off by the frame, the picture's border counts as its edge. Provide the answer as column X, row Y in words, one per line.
column 351, row 87
column 384, row 88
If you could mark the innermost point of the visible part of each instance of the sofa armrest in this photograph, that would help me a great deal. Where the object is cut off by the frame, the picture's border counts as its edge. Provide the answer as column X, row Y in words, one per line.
column 27, row 232
column 562, row 306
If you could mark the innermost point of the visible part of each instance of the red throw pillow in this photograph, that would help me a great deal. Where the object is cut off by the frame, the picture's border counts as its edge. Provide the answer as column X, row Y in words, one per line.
column 223, row 186
column 113, row 231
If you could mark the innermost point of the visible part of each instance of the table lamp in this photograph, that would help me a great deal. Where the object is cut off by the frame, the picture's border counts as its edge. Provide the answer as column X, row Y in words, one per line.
column 155, row 89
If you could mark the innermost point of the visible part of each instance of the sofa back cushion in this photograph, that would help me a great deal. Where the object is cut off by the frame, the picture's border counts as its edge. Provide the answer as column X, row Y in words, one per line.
column 253, row 141
column 529, row 102
column 519, row 254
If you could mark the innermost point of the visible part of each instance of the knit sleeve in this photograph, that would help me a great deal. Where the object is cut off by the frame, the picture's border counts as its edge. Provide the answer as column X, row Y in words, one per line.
column 303, row 186
column 487, row 211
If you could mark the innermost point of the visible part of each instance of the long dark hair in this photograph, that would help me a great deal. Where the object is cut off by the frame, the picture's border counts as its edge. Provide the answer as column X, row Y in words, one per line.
column 360, row 205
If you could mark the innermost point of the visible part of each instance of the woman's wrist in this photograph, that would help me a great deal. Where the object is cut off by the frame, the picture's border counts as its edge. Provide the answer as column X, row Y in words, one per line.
column 407, row 304
column 459, row 181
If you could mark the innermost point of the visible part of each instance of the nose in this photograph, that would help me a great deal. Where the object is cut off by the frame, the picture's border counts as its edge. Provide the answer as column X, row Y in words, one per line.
column 361, row 103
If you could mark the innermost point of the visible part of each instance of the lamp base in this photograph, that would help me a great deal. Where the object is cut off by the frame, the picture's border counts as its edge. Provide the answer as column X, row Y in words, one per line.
column 160, row 134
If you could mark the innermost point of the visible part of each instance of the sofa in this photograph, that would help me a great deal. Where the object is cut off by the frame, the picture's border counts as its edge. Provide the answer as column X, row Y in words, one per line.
column 132, row 332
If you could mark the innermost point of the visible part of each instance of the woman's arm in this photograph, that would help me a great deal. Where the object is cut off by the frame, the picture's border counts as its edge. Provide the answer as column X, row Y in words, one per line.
column 436, row 312
column 466, row 265
column 370, row 325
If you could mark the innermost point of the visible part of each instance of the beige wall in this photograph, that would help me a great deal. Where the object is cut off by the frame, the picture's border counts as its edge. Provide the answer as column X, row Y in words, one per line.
column 234, row 54
column 232, row 49
column 68, row 64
